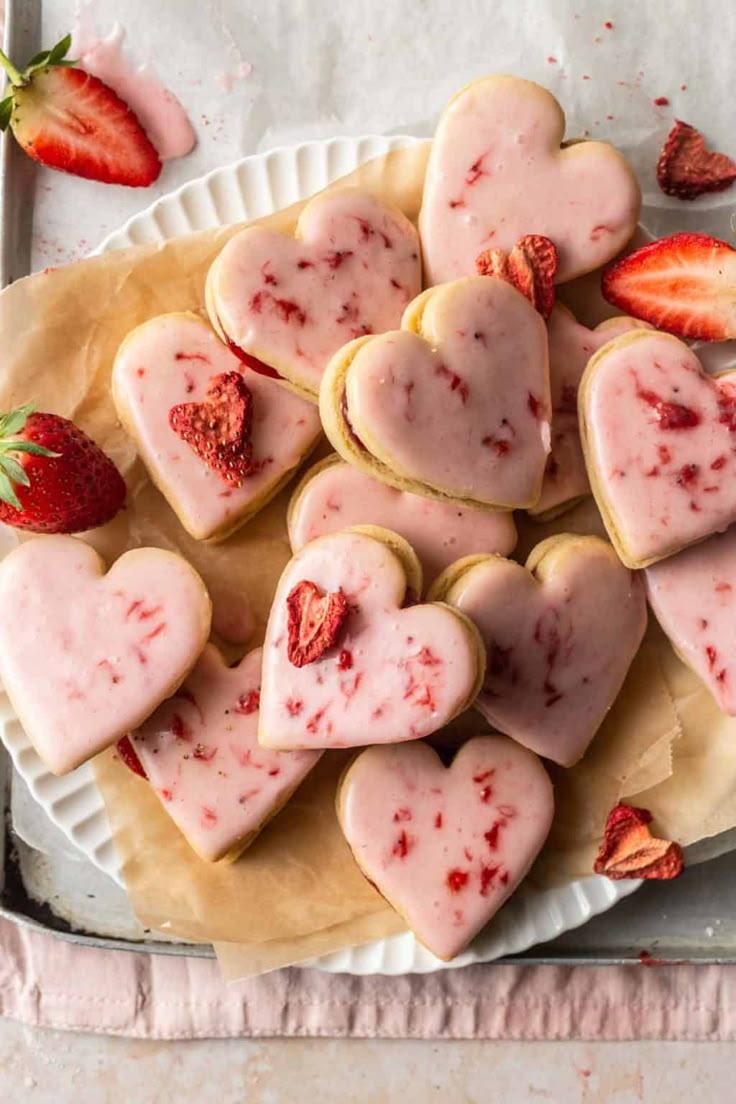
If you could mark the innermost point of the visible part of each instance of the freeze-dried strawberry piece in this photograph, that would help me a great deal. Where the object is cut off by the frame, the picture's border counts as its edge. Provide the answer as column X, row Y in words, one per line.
column 315, row 621
column 531, row 267
column 687, row 169
column 219, row 429
column 127, row 753
column 630, row 851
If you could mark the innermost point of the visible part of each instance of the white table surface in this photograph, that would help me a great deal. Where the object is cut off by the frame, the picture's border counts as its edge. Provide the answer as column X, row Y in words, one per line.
column 293, row 94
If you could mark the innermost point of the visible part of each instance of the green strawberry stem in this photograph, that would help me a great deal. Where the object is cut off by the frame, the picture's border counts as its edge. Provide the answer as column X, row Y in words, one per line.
column 16, row 78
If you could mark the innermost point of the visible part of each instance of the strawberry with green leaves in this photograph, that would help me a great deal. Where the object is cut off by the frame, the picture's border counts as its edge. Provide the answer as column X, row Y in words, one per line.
column 53, row 477
column 69, row 120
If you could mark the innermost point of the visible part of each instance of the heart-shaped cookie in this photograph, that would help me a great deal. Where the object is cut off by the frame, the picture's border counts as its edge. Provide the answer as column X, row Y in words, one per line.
column 571, row 346
column 455, row 405
column 446, row 846
column 693, row 596
column 291, row 302
column 659, row 437
column 346, row 664
column 168, row 369
column 560, row 635
column 201, row 754
column 497, row 172
column 84, row 656
column 334, row 495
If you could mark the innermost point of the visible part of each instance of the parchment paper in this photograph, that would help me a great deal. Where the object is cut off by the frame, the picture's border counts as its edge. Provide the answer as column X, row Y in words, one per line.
column 298, row 881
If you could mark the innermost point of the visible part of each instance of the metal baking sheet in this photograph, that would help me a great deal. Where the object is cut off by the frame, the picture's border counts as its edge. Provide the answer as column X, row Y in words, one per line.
column 46, row 886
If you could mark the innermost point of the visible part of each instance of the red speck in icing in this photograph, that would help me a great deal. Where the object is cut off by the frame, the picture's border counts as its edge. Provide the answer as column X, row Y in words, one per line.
column 427, row 658
column 457, row 383
column 167, row 795
column 533, row 403
column 106, row 665
column 453, row 203
column 140, row 372
column 180, row 728
column 703, row 623
column 491, row 836
column 335, row 259
column 712, row 655
column 268, row 277
column 209, row 817
column 457, row 879
column 132, row 608
column 718, row 463
column 293, row 707
column 154, row 633
column 486, row 794
column 256, row 302
column 499, row 444
column 487, row 875
column 402, row 814
column 248, row 703
column 345, row 661
column 721, row 676
column 475, row 172
column 315, row 720
column 670, row 415
column 484, row 776
column 274, row 771
column 402, row 846
column 420, row 694
column 205, row 753
column 305, row 264
column 468, row 854
column 140, row 655
column 287, row 308
column 193, row 356
column 687, row 474
column 664, row 454
column 727, row 408
column 722, row 588
column 438, row 820
column 395, row 284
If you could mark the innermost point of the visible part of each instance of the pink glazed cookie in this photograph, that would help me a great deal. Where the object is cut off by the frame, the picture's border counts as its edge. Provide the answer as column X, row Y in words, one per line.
column 446, row 846
column 693, row 596
column 201, row 754
column 571, row 345
column 659, row 437
column 173, row 360
column 334, row 495
column 497, row 171
column 86, row 656
column 348, row 661
column 290, row 303
column 455, row 405
column 560, row 635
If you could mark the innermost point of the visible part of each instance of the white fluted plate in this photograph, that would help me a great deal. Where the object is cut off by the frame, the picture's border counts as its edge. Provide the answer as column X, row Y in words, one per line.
column 251, row 188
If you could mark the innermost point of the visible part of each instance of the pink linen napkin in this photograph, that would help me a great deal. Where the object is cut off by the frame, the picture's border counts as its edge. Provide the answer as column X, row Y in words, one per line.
column 48, row 982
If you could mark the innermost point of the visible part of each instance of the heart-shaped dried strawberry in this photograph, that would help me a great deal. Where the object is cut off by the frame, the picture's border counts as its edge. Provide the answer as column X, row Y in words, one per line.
column 693, row 595
column 530, row 266
column 571, row 346
column 497, row 172
column 455, row 405
column 372, row 672
column 552, row 674
column 629, row 850
column 446, row 847
column 687, row 169
column 200, row 752
column 290, row 303
column 659, row 437
column 217, row 452
column 218, row 429
column 84, row 656
column 334, row 495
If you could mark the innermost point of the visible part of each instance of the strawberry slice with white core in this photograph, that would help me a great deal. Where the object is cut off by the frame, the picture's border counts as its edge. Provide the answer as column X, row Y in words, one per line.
column 67, row 119
column 684, row 284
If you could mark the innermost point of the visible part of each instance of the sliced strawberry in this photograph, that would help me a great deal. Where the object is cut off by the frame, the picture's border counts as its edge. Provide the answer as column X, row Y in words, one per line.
column 53, row 477
column 69, row 120
column 685, row 284
column 687, row 169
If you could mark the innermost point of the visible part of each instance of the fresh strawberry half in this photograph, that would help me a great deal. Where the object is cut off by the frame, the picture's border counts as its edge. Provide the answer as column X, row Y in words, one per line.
column 219, row 429
column 69, row 120
column 685, row 284
column 688, row 169
column 53, row 477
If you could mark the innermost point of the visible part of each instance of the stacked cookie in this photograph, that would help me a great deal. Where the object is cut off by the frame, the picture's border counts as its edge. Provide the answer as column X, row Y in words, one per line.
column 450, row 402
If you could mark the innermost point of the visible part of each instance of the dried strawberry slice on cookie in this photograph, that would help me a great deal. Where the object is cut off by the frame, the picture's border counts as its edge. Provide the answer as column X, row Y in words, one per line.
column 219, row 429
column 315, row 621
column 530, row 267
column 684, row 284
column 687, row 169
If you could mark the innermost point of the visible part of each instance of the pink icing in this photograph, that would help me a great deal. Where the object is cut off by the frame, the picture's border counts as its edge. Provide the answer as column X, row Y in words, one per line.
column 463, row 408
column 232, row 616
column 160, row 113
column 552, row 673
column 85, row 656
column 393, row 674
column 201, row 754
column 171, row 359
column 340, row 496
column 496, row 173
column 570, row 347
column 693, row 595
column 661, row 436
column 291, row 303
column 446, row 846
